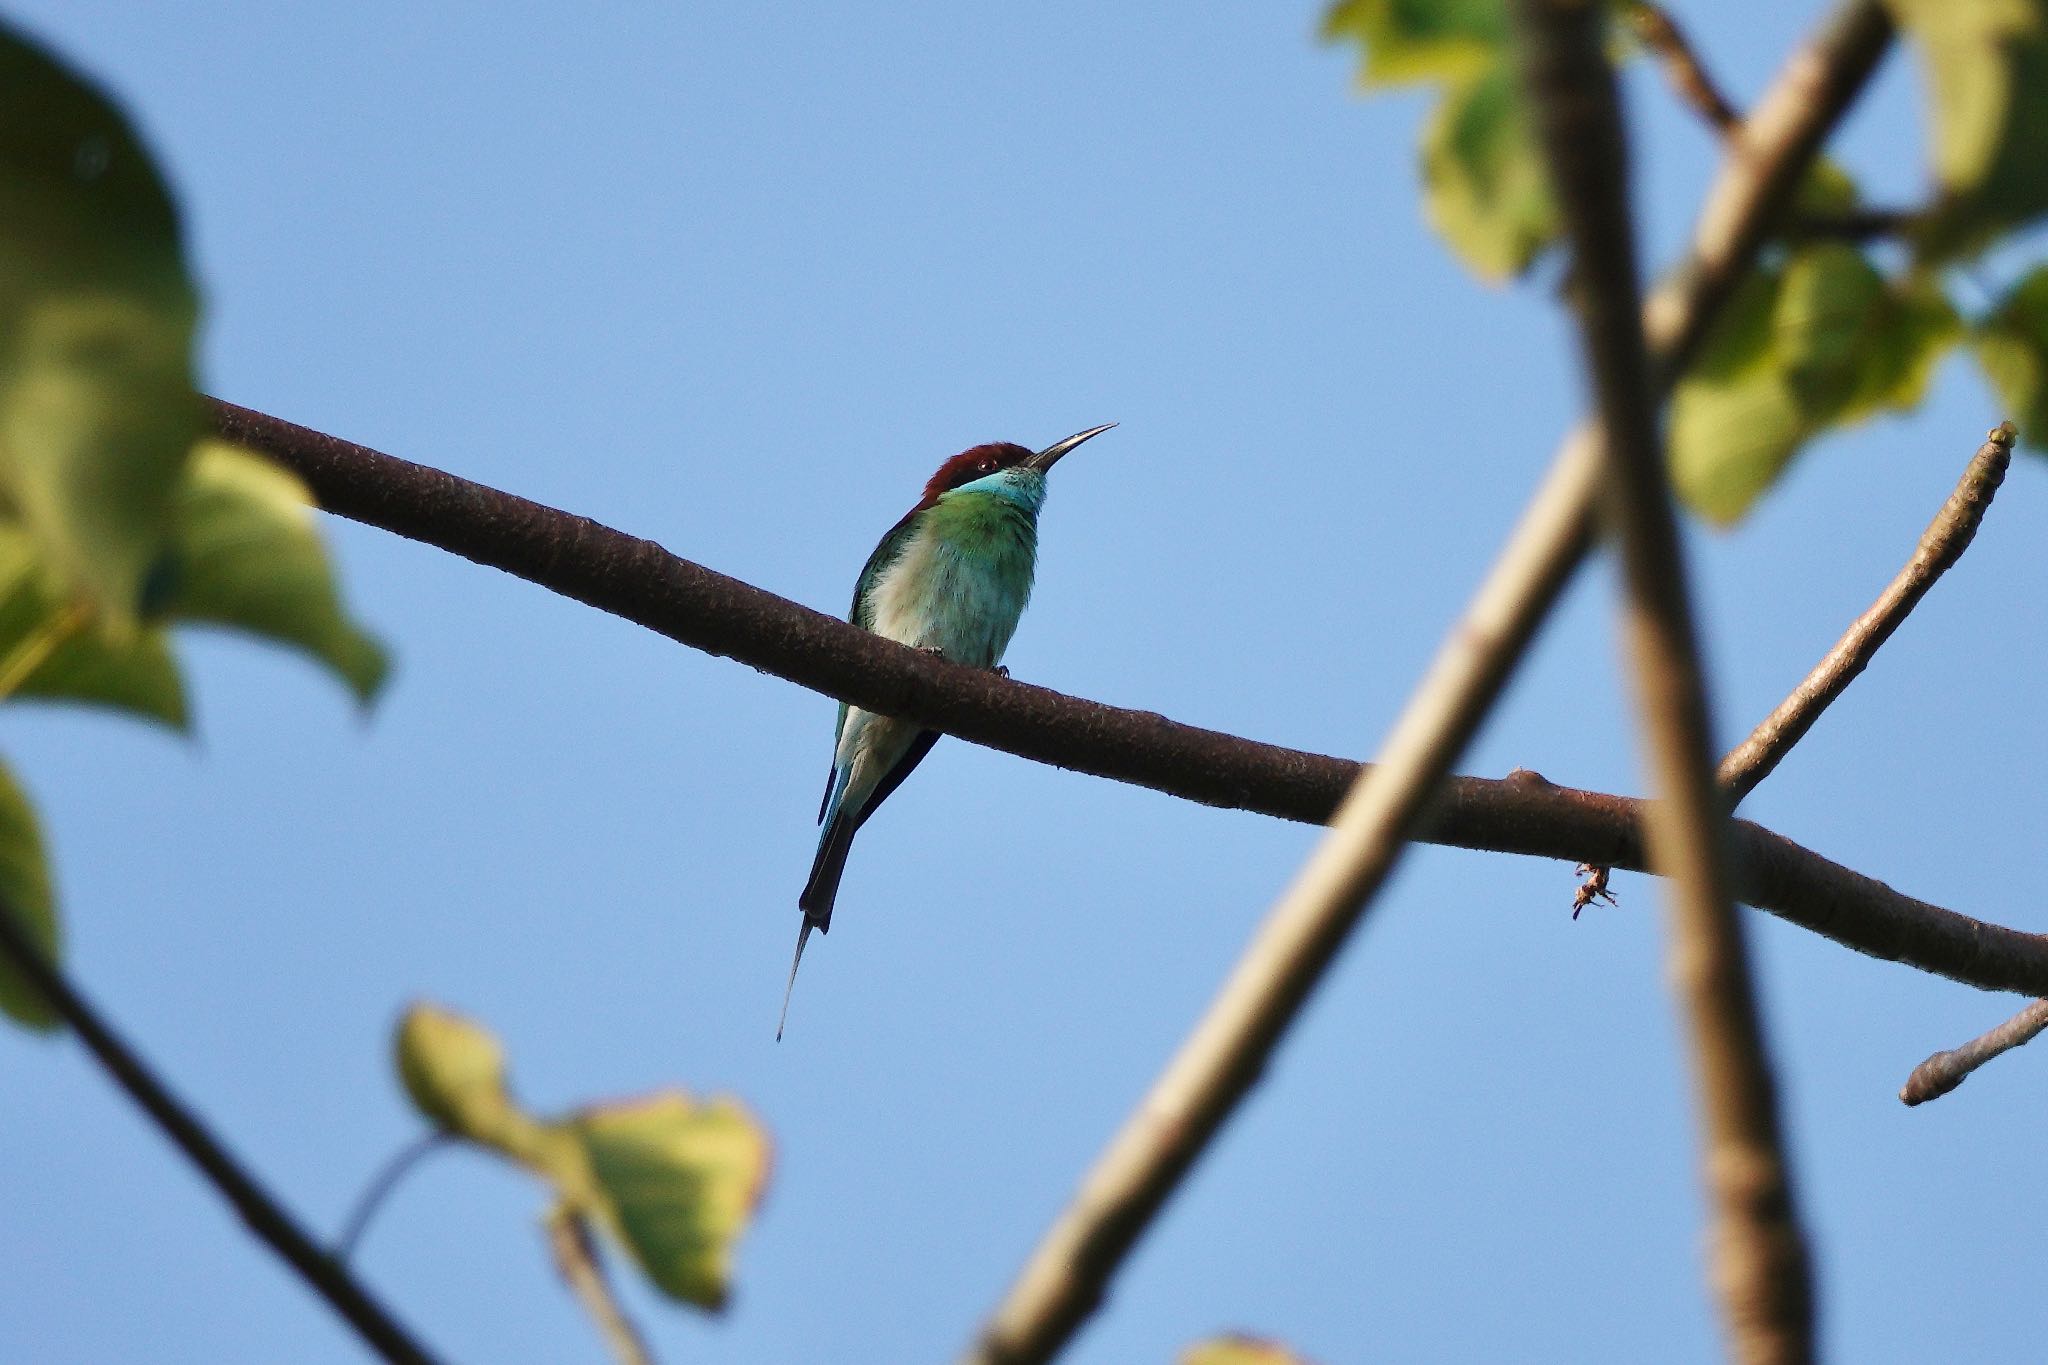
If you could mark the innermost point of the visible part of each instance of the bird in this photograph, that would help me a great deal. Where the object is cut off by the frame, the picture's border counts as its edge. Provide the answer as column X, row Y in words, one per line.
column 951, row 577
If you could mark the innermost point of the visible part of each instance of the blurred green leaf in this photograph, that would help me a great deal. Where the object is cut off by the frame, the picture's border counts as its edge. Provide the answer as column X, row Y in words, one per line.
column 25, row 891
column 1420, row 40
column 1484, row 187
column 1987, row 75
column 679, row 1182
column 1239, row 1350
column 2012, row 346
column 135, row 673
column 97, row 407
column 1828, row 188
column 454, row 1070
column 247, row 554
column 1823, row 341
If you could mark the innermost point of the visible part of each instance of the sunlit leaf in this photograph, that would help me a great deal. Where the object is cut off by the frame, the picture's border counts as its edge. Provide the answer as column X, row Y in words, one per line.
column 1239, row 1350
column 454, row 1070
column 1987, row 73
column 97, row 408
column 679, row 1182
column 1484, row 186
column 25, row 892
column 247, row 554
column 41, row 630
column 2012, row 346
column 1420, row 40
column 1822, row 342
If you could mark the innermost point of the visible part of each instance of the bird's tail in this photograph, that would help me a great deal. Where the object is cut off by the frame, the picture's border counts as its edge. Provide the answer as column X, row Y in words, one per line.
column 803, row 936
column 826, row 869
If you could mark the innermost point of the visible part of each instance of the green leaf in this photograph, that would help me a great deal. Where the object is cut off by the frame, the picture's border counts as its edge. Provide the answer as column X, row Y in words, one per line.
column 1824, row 342
column 1987, row 74
column 454, row 1070
column 247, row 554
column 1239, row 1350
column 25, row 891
column 678, row 1184
column 1420, row 40
column 1484, row 187
column 2012, row 346
column 97, row 407
column 38, row 628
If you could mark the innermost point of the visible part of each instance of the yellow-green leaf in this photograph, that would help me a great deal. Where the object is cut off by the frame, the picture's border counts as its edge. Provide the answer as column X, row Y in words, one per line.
column 247, row 554
column 1240, row 1350
column 1987, row 75
column 1484, row 187
column 2012, row 346
column 47, row 654
column 1825, row 342
column 25, row 892
column 678, row 1183
column 1420, row 40
column 97, row 406
column 455, row 1072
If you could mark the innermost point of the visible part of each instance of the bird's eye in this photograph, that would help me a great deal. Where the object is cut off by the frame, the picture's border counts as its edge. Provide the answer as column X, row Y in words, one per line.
column 986, row 466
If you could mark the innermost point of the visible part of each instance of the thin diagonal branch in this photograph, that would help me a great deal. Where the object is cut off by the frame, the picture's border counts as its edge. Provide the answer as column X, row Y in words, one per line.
column 264, row 1215
column 1941, row 545
column 1660, row 33
column 1760, row 1259
column 1854, row 225
column 581, row 1268
column 1944, row 1071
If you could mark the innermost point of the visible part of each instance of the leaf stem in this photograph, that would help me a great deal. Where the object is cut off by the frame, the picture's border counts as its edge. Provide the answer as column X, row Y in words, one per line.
column 582, row 1269
column 367, row 1205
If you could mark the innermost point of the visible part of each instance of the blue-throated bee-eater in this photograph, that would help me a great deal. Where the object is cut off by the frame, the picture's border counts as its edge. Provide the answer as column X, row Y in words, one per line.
column 951, row 577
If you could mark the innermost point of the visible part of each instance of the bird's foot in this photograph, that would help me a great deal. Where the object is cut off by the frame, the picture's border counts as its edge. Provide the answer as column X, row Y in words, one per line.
column 1001, row 671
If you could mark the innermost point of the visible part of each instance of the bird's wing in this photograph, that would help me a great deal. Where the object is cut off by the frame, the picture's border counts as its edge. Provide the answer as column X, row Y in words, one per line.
column 862, row 614
column 893, row 779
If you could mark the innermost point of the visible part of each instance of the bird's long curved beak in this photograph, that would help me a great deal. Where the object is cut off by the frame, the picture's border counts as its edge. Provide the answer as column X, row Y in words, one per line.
column 1050, row 456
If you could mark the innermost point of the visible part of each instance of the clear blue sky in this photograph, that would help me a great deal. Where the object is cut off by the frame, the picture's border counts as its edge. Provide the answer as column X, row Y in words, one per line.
column 735, row 278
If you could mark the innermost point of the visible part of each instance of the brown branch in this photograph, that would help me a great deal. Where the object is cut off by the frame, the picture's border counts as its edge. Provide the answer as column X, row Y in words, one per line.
column 639, row 581
column 1943, row 542
column 1944, row 1071
column 1660, row 33
column 264, row 1215
column 576, row 1258
column 1760, row 1259
column 1854, row 225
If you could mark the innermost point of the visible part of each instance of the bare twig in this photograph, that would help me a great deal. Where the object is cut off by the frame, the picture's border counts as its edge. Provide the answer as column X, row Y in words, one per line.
column 1660, row 33
column 1760, row 1259
column 379, row 1189
column 1944, row 541
column 1944, row 1071
column 264, row 1216
column 576, row 1257
column 1854, row 225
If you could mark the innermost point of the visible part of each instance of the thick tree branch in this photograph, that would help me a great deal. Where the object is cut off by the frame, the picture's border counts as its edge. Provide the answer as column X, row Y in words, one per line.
column 639, row 581
column 1660, row 33
column 1760, row 1259
column 1943, row 542
column 264, row 1215
column 1944, row 1071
